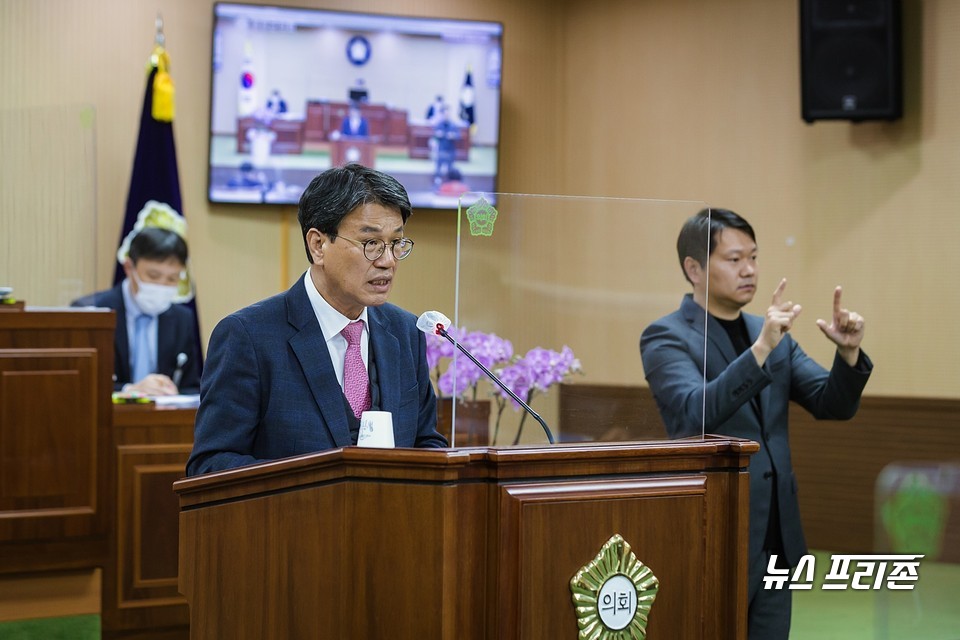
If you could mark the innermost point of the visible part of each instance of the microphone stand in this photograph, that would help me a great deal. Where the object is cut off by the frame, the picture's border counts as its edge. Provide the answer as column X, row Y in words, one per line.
column 443, row 332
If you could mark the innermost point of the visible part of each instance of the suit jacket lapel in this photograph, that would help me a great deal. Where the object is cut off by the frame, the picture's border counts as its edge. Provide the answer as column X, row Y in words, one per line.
column 386, row 352
column 716, row 336
column 311, row 350
column 720, row 341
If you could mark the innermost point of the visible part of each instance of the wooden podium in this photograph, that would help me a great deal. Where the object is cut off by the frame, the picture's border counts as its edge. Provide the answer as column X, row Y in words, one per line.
column 463, row 543
column 352, row 149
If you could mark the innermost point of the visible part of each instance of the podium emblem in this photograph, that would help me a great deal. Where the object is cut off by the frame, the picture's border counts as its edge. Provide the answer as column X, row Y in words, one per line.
column 613, row 594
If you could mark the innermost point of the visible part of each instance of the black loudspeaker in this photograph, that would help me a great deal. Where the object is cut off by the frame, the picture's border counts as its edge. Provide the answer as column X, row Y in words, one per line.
column 850, row 60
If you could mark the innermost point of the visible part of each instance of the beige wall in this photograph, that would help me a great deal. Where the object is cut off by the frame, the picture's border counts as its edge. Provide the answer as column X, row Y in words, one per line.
column 700, row 99
column 679, row 99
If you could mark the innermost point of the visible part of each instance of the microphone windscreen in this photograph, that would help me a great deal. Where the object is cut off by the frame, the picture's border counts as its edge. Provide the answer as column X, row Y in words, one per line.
column 428, row 321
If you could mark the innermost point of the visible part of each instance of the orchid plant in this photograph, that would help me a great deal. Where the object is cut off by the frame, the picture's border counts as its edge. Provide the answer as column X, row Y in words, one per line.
column 526, row 375
column 535, row 372
column 460, row 379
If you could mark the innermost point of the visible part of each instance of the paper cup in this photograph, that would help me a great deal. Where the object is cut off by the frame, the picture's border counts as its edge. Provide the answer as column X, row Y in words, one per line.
column 376, row 430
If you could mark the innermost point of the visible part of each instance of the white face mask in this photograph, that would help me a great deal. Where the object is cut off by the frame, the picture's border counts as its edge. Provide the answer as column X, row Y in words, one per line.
column 154, row 299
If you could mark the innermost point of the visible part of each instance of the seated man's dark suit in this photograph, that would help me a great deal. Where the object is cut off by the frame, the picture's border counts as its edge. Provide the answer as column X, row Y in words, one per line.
column 269, row 389
column 747, row 401
column 175, row 335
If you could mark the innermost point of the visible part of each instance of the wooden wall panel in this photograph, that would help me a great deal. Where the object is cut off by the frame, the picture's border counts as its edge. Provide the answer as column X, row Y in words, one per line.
column 836, row 463
column 601, row 413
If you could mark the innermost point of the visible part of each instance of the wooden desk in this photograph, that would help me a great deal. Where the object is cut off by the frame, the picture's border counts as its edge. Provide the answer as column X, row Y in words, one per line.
column 56, row 371
column 85, row 483
column 140, row 579
column 288, row 140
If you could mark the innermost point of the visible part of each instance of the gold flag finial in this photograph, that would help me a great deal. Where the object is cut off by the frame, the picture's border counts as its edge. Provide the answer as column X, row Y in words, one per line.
column 163, row 108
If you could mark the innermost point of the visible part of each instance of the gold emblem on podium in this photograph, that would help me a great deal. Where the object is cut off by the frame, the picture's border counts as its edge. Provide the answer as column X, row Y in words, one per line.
column 613, row 594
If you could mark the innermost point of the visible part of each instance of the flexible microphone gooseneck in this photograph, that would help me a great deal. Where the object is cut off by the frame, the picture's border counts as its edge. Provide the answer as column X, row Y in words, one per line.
column 434, row 322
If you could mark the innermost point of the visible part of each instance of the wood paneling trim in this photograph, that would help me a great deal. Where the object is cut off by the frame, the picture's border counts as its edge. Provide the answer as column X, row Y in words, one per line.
column 837, row 465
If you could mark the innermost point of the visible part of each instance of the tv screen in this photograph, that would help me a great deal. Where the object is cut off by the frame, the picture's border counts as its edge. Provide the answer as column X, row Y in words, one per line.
column 297, row 91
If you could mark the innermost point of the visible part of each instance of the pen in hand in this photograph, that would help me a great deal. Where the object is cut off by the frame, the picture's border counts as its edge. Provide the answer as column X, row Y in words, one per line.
column 178, row 372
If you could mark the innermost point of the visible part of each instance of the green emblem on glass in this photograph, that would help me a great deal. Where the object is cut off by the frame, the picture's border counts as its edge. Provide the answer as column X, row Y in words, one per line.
column 481, row 215
column 613, row 594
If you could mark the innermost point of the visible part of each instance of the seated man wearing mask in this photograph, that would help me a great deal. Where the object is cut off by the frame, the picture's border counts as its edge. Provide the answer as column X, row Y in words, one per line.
column 154, row 342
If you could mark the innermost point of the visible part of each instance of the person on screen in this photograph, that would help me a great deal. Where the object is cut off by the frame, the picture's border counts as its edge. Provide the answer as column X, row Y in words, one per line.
column 154, row 340
column 355, row 125
column 283, row 378
column 248, row 177
column 754, row 368
column 444, row 146
column 358, row 92
column 276, row 104
column 433, row 111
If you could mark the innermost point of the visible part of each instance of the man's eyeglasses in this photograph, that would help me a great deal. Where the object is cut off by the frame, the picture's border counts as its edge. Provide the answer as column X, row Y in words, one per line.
column 374, row 248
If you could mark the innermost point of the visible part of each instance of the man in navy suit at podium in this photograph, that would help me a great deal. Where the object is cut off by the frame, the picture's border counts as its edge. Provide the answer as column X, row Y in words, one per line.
column 292, row 374
column 354, row 125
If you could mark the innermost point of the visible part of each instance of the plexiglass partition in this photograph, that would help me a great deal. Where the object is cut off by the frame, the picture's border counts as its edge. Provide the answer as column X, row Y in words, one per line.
column 553, row 294
column 48, row 230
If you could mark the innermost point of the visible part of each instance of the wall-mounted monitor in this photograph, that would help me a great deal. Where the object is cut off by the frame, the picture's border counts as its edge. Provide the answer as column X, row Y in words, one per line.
column 297, row 91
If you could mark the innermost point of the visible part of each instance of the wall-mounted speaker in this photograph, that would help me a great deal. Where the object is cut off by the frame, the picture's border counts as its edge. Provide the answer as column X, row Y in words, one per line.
column 850, row 60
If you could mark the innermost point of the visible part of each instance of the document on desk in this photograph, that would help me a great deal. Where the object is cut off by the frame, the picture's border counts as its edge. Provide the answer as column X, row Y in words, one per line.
column 183, row 401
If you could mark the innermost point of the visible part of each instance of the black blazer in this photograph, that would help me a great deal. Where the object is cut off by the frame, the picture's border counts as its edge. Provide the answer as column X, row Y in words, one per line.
column 672, row 349
column 175, row 335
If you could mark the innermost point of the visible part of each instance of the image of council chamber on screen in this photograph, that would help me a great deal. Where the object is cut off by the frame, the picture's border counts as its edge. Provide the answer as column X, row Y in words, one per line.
column 295, row 92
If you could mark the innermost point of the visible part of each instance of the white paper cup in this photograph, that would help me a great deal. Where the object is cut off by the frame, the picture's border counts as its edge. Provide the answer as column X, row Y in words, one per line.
column 376, row 430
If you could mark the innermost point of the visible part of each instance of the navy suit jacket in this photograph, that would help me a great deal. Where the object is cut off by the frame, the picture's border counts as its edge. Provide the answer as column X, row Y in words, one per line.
column 269, row 389
column 362, row 130
column 672, row 349
column 175, row 335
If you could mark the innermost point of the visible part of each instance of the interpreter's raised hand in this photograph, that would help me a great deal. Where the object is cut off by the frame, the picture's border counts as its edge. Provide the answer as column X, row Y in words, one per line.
column 845, row 329
column 777, row 322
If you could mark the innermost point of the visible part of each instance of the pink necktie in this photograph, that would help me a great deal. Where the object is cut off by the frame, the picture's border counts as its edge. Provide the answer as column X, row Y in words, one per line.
column 356, row 383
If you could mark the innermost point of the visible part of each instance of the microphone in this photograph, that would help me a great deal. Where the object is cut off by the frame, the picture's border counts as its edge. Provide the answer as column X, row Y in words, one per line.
column 178, row 372
column 434, row 322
